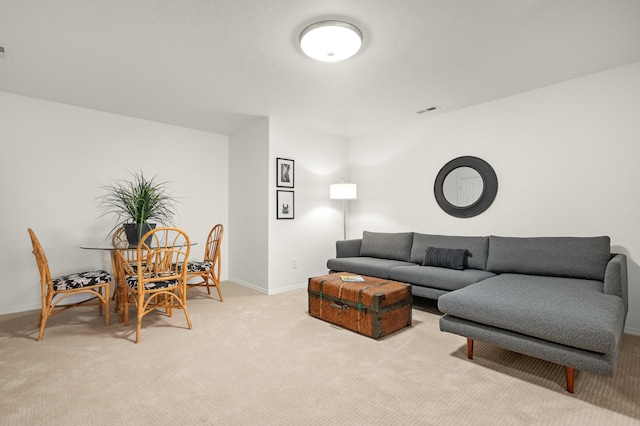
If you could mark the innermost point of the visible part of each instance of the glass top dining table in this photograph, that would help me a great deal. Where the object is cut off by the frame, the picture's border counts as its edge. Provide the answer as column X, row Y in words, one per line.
column 107, row 245
column 117, row 267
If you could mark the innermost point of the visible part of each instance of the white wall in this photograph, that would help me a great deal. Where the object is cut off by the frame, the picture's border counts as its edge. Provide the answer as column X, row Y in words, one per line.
column 566, row 157
column 53, row 159
column 263, row 248
column 248, row 231
column 320, row 159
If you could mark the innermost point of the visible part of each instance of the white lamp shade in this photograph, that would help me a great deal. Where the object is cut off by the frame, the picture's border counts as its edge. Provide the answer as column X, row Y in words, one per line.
column 330, row 41
column 342, row 191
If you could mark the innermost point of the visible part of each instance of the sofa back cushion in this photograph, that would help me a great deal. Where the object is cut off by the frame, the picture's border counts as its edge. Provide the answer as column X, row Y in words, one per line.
column 393, row 245
column 477, row 248
column 573, row 257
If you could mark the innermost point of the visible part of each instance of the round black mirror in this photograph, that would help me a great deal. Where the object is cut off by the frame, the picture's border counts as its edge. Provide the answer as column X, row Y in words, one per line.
column 466, row 186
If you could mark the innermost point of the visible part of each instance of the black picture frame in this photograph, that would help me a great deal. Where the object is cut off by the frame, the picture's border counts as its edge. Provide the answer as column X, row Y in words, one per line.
column 285, row 204
column 285, row 173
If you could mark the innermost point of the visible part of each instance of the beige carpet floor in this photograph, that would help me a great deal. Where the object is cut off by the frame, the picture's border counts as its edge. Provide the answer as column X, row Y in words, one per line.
column 262, row 360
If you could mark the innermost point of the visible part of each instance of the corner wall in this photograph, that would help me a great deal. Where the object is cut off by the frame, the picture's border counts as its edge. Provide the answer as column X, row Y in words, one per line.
column 309, row 239
column 54, row 159
column 274, row 255
column 248, row 231
column 566, row 157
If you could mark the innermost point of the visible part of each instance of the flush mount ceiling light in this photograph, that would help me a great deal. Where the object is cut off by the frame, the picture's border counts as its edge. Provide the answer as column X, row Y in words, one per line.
column 330, row 41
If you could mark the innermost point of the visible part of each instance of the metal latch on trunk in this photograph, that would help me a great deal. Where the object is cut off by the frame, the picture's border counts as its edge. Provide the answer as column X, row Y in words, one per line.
column 337, row 305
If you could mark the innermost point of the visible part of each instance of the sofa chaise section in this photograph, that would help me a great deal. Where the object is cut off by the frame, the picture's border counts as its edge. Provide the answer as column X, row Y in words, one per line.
column 561, row 299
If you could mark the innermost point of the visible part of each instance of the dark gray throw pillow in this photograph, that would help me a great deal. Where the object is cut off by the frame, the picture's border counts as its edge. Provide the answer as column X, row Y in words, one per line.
column 445, row 258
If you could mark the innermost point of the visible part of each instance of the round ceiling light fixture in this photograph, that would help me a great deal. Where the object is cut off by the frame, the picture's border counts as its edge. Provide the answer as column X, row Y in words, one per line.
column 330, row 41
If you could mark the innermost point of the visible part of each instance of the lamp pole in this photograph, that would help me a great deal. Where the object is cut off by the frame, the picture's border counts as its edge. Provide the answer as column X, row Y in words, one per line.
column 344, row 218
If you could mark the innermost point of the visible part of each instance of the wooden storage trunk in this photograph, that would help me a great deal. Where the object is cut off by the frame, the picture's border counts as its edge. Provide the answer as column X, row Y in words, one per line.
column 374, row 308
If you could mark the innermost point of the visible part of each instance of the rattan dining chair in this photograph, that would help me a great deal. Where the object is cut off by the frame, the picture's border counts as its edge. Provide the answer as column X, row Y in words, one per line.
column 55, row 290
column 208, row 271
column 158, row 278
column 128, row 255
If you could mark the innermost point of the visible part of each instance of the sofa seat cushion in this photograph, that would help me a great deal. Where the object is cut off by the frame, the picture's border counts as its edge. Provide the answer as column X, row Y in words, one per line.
column 568, row 311
column 440, row 278
column 370, row 266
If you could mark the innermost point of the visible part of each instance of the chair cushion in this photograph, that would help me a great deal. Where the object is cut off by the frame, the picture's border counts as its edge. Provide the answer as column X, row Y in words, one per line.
column 80, row 280
column 132, row 267
column 132, row 282
column 199, row 266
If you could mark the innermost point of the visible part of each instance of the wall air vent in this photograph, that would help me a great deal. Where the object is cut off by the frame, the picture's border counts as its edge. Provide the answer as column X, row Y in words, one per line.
column 428, row 109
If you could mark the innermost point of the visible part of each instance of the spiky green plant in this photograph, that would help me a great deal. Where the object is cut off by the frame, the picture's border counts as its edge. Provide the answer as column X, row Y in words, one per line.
column 138, row 200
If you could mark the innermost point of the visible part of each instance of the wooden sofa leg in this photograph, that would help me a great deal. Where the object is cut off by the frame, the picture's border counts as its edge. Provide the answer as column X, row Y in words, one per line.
column 571, row 377
column 571, row 372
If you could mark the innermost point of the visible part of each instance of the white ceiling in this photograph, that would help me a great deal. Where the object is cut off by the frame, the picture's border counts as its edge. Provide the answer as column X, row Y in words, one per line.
column 216, row 65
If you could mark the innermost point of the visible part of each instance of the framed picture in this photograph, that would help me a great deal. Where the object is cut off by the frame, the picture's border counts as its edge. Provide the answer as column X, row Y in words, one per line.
column 285, row 204
column 285, row 173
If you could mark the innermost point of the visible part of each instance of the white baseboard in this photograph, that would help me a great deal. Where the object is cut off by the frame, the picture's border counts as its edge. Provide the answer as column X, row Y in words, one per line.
column 270, row 291
column 628, row 330
column 37, row 306
column 22, row 308
column 285, row 289
column 247, row 284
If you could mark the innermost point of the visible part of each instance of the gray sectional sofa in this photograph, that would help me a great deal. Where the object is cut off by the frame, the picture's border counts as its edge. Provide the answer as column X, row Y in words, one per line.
column 561, row 299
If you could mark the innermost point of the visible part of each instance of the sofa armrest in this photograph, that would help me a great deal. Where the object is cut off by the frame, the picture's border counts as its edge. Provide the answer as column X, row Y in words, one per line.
column 348, row 248
column 616, row 281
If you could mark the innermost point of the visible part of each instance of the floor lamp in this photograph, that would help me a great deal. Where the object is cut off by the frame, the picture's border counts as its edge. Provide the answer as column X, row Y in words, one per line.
column 343, row 191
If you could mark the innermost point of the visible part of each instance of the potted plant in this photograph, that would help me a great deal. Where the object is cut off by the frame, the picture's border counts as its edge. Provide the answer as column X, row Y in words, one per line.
column 138, row 204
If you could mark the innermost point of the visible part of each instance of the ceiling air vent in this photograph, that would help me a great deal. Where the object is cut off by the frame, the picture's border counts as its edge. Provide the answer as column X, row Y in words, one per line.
column 428, row 109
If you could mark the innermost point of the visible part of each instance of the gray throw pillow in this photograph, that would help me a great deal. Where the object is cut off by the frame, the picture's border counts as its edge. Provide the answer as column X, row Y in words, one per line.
column 445, row 258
